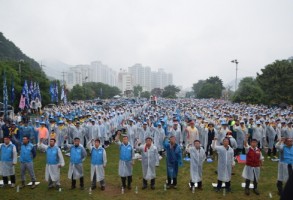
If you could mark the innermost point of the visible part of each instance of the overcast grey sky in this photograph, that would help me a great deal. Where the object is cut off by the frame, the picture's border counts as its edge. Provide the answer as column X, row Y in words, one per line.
column 192, row 39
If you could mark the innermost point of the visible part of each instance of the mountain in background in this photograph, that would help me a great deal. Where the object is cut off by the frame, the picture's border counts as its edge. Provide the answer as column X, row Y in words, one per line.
column 10, row 52
column 54, row 68
column 19, row 68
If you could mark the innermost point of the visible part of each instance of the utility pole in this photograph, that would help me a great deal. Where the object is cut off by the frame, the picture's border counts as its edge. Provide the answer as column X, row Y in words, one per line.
column 41, row 65
column 236, row 62
column 63, row 77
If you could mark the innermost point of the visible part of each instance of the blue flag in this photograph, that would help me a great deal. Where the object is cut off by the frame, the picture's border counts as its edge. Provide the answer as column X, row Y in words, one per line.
column 31, row 90
column 52, row 92
column 12, row 91
column 56, row 92
column 5, row 97
column 25, row 93
column 39, row 92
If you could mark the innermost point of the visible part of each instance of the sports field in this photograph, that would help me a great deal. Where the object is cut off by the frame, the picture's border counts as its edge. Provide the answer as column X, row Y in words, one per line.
column 267, row 183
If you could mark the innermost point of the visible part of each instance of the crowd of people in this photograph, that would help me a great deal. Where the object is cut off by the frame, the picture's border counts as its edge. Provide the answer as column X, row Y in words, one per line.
column 203, row 129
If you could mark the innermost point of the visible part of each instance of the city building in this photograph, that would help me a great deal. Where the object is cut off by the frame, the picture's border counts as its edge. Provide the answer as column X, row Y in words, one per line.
column 95, row 72
column 148, row 79
column 78, row 75
column 161, row 79
column 141, row 76
column 102, row 73
column 125, row 81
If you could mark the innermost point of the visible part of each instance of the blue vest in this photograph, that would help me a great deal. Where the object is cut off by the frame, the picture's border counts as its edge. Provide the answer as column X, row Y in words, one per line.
column 287, row 155
column 7, row 153
column 75, row 155
column 97, row 156
column 52, row 155
column 26, row 153
column 125, row 152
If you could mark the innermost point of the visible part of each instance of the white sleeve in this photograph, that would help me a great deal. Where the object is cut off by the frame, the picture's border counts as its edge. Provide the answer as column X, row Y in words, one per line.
column 14, row 155
column 61, row 159
column 104, row 158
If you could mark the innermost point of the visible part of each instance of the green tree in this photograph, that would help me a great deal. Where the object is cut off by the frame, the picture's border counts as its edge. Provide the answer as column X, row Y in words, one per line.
column 11, row 60
column 189, row 94
column 211, row 88
column 249, row 92
column 76, row 93
column 157, row 92
column 197, row 87
column 145, row 94
column 276, row 80
column 137, row 90
column 27, row 73
column 92, row 90
column 170, row 91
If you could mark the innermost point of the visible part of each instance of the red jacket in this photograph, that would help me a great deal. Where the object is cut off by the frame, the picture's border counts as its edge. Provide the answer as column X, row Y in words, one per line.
column 253, row 157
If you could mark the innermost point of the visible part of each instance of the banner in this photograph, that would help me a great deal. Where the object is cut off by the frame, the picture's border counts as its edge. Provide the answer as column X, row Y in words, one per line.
column 5, row 97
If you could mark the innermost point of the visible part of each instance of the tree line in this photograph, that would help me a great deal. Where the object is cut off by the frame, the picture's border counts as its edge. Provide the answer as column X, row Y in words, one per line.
column 169, row 91
column 273, row 86
column 92, row 90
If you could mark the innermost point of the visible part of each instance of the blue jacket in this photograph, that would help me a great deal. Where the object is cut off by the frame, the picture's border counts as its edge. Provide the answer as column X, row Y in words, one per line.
column 287, row 156
column 97, row 156
column 126, row 152
column 52, row 155
column 173, row 159
column 27, row 153
column 7, row 153
column 77, row 154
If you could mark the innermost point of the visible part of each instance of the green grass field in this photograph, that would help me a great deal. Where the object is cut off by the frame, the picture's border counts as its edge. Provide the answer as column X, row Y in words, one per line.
column 267, row 183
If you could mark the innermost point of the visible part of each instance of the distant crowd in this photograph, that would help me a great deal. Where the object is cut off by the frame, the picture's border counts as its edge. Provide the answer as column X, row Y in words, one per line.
column 202, row 129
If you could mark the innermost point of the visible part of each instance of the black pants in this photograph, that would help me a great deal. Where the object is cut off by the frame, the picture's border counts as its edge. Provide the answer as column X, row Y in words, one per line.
column 129, row 181
column 280, row 183
column 247, row 183
column 209, row 149
column 12, row 179
column 228, row 184
column 174, row 181
column 73, row 182
column 274, row 151
column 145, row 182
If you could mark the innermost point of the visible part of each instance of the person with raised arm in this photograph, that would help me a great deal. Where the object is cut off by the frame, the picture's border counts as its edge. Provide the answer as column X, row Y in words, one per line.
column 197, row 158
column 126, row 160
column 285, row 148
column 254, row 159
column 225, row 163
column 149, row 162
column 54, row 162
column 98, row 163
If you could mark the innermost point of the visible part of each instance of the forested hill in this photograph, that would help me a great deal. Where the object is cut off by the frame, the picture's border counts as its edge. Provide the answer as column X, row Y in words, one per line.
column 10, row 52
column 19, row 72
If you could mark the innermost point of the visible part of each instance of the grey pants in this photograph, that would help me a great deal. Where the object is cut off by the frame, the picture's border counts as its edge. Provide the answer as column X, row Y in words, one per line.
column 30, row 167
